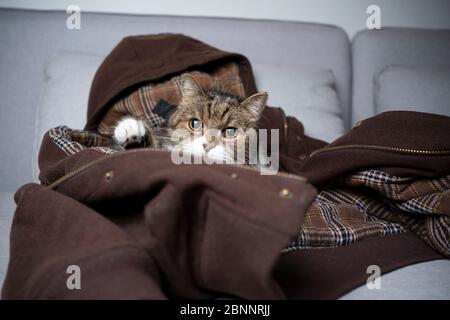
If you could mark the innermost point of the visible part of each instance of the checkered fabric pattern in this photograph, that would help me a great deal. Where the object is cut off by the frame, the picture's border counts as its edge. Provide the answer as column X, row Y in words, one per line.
column 73, row 141
column 372, row 203
column 140, row 103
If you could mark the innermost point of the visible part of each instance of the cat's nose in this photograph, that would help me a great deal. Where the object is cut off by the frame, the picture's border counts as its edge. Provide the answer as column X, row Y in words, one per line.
column 207, row 147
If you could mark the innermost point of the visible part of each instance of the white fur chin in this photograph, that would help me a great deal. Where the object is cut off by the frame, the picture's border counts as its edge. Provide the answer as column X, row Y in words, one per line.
column 217, row 153
column 196, row 148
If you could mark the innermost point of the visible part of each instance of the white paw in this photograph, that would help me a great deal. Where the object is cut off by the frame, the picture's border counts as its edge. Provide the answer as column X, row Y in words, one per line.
column 129, row 130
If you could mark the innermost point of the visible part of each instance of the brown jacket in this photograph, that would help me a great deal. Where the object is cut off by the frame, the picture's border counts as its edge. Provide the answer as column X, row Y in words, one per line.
column 139, row 226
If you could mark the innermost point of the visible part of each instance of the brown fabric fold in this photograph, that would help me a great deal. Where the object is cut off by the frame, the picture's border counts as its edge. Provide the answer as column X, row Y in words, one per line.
column 140, row 226
column 205, row 237
column 401, row 143
column 150, row 58
column 332, row 272
column 52, row 232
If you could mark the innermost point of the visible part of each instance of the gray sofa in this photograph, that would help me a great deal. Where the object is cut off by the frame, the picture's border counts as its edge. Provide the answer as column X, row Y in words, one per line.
column 29, row 40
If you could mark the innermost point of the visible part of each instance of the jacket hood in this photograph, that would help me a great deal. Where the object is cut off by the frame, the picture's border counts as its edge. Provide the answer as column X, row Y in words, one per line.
column 139, row 59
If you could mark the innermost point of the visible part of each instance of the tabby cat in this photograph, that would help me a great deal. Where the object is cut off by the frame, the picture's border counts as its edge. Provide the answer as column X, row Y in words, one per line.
column 206, row 123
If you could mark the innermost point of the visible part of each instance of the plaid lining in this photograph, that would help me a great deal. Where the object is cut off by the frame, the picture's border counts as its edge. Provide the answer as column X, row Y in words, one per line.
column 140, row 103
column 372, row 203
column 341, row 217
column 73, row 141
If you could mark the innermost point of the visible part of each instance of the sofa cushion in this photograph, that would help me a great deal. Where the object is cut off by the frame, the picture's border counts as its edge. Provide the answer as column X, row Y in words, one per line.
column 7, row 208
column 425, row 89
column 306, row 93
column 374, row 50
column 421, row 281
column 68, row 77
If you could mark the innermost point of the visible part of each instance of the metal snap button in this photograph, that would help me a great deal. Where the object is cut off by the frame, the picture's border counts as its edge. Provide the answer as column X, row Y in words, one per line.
column 285, row 193
column 109, row 175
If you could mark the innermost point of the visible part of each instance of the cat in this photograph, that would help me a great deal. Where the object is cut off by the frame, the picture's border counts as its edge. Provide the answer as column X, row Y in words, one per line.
column 209, row 123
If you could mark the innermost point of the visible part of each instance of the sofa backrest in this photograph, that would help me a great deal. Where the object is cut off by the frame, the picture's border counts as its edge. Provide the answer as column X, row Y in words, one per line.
column 31, row 38
column 375, row 50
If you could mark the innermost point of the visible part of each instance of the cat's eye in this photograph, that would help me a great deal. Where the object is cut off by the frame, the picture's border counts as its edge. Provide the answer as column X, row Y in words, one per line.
column 195, row 124
column 229, row 132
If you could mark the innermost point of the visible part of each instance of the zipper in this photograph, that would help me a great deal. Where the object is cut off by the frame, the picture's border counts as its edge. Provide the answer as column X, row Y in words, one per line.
column 381, row 148
column 120, row 153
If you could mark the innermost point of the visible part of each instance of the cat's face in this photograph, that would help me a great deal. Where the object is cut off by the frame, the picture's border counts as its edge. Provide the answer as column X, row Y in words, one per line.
column 214, row 124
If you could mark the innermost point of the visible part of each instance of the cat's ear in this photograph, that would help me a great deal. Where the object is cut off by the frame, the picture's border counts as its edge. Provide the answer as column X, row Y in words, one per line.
column 255, row 104
column 190, row 86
